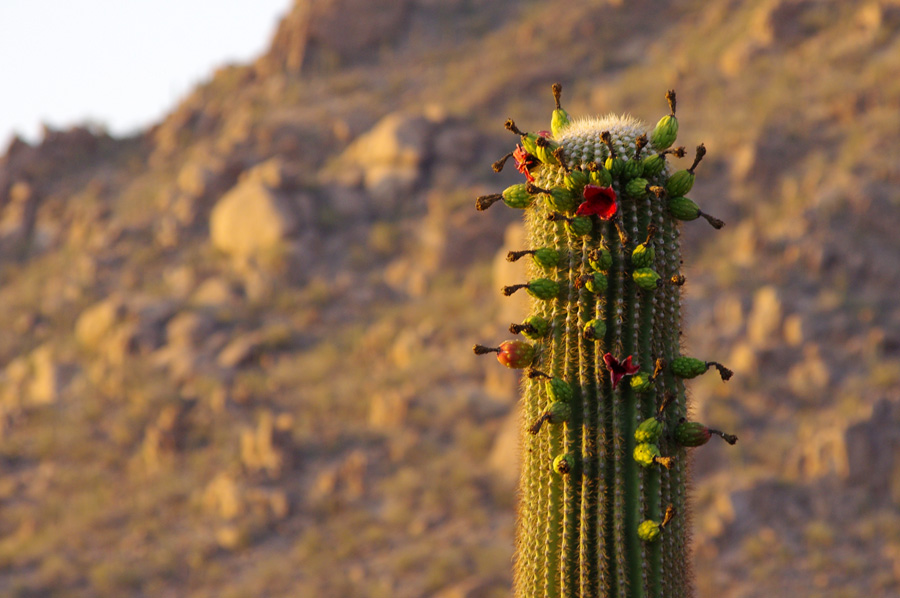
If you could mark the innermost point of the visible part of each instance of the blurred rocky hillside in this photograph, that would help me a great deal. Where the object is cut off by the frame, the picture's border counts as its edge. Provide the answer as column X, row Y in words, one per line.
column 235, row 350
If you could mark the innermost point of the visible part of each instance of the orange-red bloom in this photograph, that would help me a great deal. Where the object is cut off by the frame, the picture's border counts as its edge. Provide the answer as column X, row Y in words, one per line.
column 598, row 200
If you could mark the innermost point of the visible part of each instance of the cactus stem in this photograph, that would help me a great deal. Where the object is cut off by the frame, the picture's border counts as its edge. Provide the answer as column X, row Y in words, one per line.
column 701, row 151
column 729, row 438
column 713, row 221
column 485, row 201
column 536, row 426
column 509, row 290
column 534, row 374
column 557, row 92
column 639, row 145
column 560, row 154
column 606, row 138
column 482, row 350
column 499, row 164
column 670, row 98
column 724, row 372
column 658, row 368
column 533, row 189
column 520, row 328
column 670, row 514
column 511, row 126
column 513, row 256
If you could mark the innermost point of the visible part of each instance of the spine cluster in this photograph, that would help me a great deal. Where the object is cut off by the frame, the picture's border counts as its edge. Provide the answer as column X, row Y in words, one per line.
column 603, row 488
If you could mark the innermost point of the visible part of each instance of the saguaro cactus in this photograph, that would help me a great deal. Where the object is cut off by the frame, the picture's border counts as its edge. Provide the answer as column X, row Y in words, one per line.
column 603, row 500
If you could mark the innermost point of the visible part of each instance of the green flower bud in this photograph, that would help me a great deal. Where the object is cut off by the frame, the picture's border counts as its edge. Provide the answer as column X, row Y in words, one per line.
column 559, row 390
column 546, row 258
column 540, row 325
column 575, row 181
column 641, row 381
column 558, row 412
column 637, row 188
column 653, row 165
column 680, row 183
column 580, row 226
column 683, row 208
column 688, row 367
column 645, row 454
column 596, row 282
column 665, row 132
column 595, row 330
column 544, row 149
column 562, row 200
column 529, row 143
column 615, row 165
column 643, row 256
column 600, row 177
column 600, row 259
column 646, row 278
column 649, row 430
column 516, row 196
column 543, row 288
column 563, row 464
column 648, row 530
column 632, row 169
column 559, row 120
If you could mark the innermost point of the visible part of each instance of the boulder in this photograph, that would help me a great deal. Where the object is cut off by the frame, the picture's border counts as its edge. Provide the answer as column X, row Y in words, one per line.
column 251, row 220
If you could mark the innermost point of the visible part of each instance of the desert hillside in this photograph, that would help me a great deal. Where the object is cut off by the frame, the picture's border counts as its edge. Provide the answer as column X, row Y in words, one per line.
column 235, row 350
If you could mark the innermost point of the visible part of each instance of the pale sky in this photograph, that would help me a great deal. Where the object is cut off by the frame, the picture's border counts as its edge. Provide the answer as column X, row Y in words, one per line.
column 120, row 63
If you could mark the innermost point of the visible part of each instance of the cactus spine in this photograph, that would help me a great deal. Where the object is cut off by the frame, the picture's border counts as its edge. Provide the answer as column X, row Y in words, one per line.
column 602, row 513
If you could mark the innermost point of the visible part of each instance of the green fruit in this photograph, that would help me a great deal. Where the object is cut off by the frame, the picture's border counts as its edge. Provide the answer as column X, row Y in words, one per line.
column 529, row 143
column 595, row 330
column 683, row 208
column 653, row 165
column 575, row 181
column 516, row 196
column 637, row 188
column 546, row 258
column 648, row 530
column 540, row 325
column 646, row 454
column 543, row 288
column 562, row 200
column 680, row 183
column 643, row 256
column 649, row 430
column 596, row 282
column 563, row 464
column 688, row 367
column 558, row 389
column 600, row 177
column 665, row 132
column 692, row 434
column 580, row 226
column 646, row 278
column 600, row 259
column 641, row 381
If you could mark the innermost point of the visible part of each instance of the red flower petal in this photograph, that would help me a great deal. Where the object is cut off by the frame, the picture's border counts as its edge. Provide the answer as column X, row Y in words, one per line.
column 524, row 162
column 599, row 201
column 617, row 369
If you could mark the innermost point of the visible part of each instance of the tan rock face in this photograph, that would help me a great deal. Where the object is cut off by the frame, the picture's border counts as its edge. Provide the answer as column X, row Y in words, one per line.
column 250, row 220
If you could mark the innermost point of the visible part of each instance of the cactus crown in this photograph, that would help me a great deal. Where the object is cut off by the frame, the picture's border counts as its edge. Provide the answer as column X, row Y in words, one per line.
column 603, row 487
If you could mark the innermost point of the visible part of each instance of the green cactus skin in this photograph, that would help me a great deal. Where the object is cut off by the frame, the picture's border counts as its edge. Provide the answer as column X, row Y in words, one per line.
column 588, row 510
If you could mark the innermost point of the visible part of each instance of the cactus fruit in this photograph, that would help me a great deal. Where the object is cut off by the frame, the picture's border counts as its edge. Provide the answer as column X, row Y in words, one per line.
column 604, row 398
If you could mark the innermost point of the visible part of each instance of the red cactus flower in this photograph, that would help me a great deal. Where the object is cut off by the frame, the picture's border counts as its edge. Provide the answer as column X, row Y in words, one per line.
column 598, row 200
column 617, row 369
column 524, row 162
column 546, row 134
